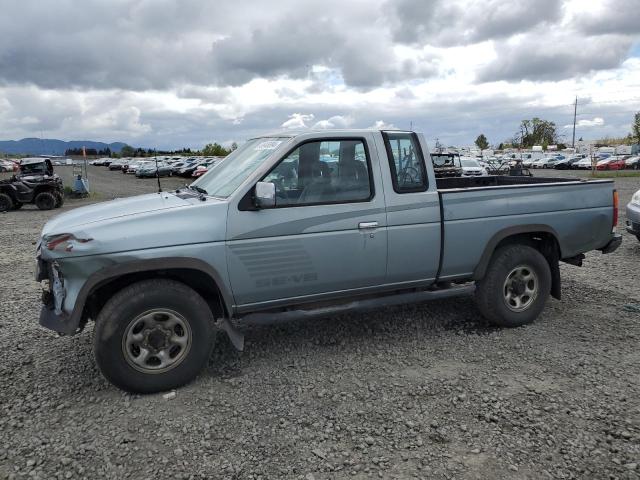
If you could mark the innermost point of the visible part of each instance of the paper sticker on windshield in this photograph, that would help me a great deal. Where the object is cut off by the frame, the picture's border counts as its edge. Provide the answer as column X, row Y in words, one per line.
column 269, row 145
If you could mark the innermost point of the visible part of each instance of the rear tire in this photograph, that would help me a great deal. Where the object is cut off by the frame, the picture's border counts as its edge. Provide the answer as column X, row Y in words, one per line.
column 45, row 201
column 6, row 203
column 142, row 321
column 515, row 287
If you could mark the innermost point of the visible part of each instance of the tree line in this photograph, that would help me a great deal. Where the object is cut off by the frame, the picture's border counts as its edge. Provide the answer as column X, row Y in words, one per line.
column 537, row 131
column 209, row 150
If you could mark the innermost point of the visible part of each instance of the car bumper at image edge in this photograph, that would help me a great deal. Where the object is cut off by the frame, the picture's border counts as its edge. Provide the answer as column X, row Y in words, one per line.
column 613, row 244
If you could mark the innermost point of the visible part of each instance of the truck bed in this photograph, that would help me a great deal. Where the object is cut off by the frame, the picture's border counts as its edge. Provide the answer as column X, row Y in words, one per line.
column 497, row 181
column 579, row 213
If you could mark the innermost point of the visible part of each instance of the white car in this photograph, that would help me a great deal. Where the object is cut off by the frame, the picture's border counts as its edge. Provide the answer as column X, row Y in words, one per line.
column 584, row 164
column 633, row 162
column 471, row 168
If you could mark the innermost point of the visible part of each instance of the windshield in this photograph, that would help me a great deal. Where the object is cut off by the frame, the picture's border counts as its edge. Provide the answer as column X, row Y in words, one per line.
column 229, row 174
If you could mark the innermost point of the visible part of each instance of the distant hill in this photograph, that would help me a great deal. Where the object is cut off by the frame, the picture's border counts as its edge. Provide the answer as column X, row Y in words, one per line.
column 48, row 146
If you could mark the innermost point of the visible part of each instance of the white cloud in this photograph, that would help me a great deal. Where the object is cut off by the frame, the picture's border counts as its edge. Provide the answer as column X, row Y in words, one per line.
column 382, row 125
column 595, row 122
column 337, row 121
column 244, row 70
column 297, row 120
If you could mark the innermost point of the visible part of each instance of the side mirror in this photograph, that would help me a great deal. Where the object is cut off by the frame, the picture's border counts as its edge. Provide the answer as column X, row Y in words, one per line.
column 265, row 196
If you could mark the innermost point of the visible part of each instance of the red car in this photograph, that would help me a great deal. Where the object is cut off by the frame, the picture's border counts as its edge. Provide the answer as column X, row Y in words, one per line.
column 613, row 163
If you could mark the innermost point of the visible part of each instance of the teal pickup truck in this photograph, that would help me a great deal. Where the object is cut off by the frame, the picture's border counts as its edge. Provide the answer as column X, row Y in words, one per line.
column 302, row 224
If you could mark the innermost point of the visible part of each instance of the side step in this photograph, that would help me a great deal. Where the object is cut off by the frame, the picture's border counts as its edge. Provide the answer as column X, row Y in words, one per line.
column 261, row 318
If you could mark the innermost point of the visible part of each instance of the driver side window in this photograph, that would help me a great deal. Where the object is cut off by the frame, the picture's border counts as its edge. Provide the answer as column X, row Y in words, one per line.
column 333, row 171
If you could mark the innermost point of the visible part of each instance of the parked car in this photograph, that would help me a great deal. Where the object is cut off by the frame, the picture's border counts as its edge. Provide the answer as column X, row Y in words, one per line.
column 633, row 215
column 273, row 233
column 633, row 162
column 117, row 164
column 188, row 169
column 545, row 162
column 204, row 168
column 8, row 166
column 471, row 168
column 567, row 162
column 149, row 169
column 611, row 163
column 584, row 164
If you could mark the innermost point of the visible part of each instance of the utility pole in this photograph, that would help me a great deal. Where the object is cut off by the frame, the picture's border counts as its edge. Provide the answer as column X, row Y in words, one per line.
column 575, row 112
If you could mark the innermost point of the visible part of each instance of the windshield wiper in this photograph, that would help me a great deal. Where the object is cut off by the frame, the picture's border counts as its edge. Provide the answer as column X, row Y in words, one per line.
column 198, row 189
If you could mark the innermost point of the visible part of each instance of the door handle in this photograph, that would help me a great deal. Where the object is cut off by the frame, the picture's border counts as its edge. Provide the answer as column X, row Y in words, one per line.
column 367, row 225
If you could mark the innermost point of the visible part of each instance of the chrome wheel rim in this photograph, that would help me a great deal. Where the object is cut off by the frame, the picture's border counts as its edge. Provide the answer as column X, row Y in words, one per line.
column 520, row 288
column 156, row 341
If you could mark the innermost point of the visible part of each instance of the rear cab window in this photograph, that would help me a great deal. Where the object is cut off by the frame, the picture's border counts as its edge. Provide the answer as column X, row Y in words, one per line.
column 406, row 162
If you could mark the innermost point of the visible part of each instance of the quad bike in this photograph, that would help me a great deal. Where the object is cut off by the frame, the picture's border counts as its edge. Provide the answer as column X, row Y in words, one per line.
column 35, row 183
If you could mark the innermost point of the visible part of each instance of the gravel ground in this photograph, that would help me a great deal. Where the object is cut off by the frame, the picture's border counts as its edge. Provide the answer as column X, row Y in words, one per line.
column 411, row 392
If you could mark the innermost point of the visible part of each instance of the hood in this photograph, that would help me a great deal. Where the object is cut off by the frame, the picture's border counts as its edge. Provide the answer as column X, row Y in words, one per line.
column 120, row 207
column 138, row 223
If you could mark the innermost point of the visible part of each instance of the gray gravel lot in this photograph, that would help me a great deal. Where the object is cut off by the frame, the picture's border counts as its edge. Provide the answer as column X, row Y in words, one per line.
column 412, row 392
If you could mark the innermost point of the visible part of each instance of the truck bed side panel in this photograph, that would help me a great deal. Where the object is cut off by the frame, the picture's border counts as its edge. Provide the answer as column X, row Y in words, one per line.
column 580, row 214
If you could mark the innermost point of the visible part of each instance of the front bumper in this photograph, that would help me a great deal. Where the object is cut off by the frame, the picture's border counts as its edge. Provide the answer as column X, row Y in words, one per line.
column 60, row 323
column 613, row 244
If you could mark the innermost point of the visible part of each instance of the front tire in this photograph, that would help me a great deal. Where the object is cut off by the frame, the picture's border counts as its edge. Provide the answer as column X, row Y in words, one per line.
column 6, row 203
column 45, row 201
column 152, row 336
column 515, row 287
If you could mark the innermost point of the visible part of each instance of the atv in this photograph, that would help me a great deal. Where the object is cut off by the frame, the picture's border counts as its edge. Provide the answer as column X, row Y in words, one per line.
column 34, row 183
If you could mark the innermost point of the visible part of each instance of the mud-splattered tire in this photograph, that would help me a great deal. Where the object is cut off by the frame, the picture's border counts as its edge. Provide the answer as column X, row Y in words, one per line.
column 6, row 203
column 153, row 335
column 45, row 201
column 59, row 199
column 515, row 287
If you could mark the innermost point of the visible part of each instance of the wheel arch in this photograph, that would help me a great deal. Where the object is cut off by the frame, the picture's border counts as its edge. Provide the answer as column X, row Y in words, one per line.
column 193, row 272
column 539, row 236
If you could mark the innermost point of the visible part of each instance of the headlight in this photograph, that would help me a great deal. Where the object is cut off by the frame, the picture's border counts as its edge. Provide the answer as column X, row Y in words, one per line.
column 636, row 198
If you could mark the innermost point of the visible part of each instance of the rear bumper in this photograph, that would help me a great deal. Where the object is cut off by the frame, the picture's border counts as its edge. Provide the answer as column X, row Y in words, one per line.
column 613, row 244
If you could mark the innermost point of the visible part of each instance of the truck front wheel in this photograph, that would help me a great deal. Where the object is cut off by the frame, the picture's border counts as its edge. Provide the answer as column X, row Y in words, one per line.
column 153, row 335
column 516, row 286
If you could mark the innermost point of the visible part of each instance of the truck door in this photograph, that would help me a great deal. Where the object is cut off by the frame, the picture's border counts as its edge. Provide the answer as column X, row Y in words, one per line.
column 326, row 235
column 413, row 209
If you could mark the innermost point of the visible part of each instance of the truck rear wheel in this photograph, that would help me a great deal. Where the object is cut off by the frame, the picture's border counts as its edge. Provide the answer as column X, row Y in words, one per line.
column 153, row 335
column 6, row 203
column 45, row 201
column 516, row 286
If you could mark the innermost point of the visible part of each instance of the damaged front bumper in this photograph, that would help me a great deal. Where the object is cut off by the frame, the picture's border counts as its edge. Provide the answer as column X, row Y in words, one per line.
column 53, row 294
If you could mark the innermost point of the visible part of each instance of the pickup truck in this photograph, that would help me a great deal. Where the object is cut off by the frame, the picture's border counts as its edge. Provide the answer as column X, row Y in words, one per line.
column 307, row 224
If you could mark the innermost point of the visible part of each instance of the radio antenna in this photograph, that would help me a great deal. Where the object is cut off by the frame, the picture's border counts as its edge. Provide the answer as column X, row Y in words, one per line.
column 157, row 171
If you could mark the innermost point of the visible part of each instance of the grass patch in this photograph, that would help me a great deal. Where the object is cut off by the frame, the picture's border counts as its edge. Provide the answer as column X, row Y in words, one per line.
column 615, row 174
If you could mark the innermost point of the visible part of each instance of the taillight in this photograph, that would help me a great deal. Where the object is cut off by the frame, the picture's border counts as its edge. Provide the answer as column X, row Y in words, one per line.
column 615, row 209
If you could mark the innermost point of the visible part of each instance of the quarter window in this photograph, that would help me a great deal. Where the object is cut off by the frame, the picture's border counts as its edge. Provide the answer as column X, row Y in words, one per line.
column 408, row 172
column 335, row 171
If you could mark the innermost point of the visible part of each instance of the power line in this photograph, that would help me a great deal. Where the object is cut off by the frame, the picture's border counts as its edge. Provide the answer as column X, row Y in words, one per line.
column 575, row 112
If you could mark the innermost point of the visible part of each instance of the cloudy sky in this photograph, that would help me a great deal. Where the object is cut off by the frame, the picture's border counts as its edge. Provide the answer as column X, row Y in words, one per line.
column 173, row 73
